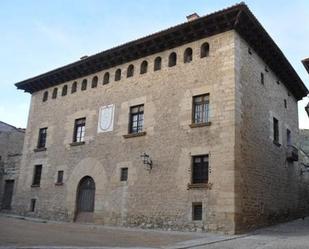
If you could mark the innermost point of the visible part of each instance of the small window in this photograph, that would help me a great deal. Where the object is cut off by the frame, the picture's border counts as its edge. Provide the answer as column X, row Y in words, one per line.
column 157, row 64
column 74, row 87
column 60, row 177
column 106, row 78
column 187, row 58
column 37, row 175
column 55, row 92
column 42, row 138
column 144, row 67
column 172, row 59
column 94, row 82
column 200, row 169
column 79, row 130
column 118, row 74
column 32, row 205
column 285, row 104
column 197, row 211
column 124, row 174
column 249, row 51
column 136, row 119
column 205, row 50
column 84, row 85
column 64, row 90
column 200, row 109
column 45, row 96
column 262, row 79
column 130, row 71
column 288, row 137
column 276, row 130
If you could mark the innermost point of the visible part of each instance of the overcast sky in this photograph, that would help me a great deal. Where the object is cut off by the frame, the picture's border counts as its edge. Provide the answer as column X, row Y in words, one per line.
column 37, row 36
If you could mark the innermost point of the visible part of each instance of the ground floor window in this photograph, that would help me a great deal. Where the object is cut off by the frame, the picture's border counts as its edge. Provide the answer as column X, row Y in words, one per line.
column 197, row 211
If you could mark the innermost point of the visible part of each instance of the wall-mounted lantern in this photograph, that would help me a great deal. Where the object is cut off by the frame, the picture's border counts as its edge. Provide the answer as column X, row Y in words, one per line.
column 147, row 161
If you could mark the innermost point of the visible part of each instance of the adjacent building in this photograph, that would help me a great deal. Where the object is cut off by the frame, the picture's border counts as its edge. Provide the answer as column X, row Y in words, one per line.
column 194, row 127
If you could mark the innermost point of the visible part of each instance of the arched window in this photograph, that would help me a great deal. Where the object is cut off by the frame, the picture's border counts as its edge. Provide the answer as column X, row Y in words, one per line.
column 106, row 78
column 130, row 71
column 205, row 50
column 45, row 96
column 172, row 59
column 55, row 91
column 74, row 87
column 94, row 82
column 118, row 74
column 157, row 64
column 84, row 85
column 144, row 67
column 187, row 56
column 64, row 90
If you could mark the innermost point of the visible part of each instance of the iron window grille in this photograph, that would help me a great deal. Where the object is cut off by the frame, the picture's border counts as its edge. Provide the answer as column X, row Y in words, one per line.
column 201, row 109
column 200, row 166
column 79, row 130
column 124, row 174
column 197, row 211
column 42, row 138
column 136, row 119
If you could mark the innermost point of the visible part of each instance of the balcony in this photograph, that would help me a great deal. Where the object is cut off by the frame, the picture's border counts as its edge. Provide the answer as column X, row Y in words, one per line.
column 292, row 154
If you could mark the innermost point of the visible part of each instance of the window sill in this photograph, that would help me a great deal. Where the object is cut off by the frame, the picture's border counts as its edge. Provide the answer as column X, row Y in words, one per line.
column 39, row 149
column 196, row 125
column 199, row 185
column 77, row 143
column 276, row 143
column 35, row 186
column 59, row 184
column 139, row 134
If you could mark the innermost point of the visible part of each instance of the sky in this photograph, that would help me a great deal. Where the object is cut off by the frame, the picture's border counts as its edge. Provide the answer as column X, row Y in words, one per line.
column 38, row 36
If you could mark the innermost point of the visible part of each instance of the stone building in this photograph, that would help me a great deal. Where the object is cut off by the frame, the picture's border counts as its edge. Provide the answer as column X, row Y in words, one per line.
column 306, row 65
column 188, row 128
column 11, row 145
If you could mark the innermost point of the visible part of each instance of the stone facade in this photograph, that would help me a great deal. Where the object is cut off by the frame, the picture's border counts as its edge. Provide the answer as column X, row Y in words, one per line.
column 250, row 181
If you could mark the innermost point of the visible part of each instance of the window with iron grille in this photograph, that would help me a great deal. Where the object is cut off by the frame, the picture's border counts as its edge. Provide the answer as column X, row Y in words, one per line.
column 197, row 211
column 136, row 119
column 37, row 175
column 60, row 177
column 124, row 174
column 42, row 138
column 79, row 130
column 276, row 130
column 201, row 109
column 200, row 169
column 32, row 205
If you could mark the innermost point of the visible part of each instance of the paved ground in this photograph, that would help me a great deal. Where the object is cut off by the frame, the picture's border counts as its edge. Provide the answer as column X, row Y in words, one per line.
column 37, row 234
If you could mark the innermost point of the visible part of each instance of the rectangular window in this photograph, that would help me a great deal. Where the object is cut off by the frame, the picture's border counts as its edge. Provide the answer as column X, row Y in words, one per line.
column 79, row 130
column 124, row 174
column 37, row 175
column 262, row 79
column 201, row 109
column 136, row 119
column 32, row 205
column 197, row 211
column 60, row 177
column 276, row 130
column 288, row 137
column 42, row 138
column 200, row 169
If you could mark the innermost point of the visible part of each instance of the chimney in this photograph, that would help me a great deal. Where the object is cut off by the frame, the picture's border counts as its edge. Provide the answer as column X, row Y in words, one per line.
column 192, row 17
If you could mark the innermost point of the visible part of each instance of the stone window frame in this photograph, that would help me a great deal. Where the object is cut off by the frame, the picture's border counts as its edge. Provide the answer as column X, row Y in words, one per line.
column 188, row 55
column 55, row 93
column 74, row 87
column 84, row 85
column 130, row 71
column 157, row 63
column 37, row 175
column 144, row 67
column 42, row 138
column 64, row 91
column 205, row 48
column 197, row 211
column 106, row 78
column 172, row 59
column 140, row 119
column 205, row 101
column 124, row 174
column 45, row 96
column 60, row 177
column 79, row 131
column 94, row 81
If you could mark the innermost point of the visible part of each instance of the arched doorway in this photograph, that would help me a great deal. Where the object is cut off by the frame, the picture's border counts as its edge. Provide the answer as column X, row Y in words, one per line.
column 85, row 200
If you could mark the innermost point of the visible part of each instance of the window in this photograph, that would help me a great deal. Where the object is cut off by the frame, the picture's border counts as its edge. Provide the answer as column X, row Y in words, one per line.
column 172, row 59
column 124, row 174
column 32, row 205
column 205, row 50
column 106, row 78
column 79, row 130
column 285, row 104
column 249, row 51
column 276, row 130
column 37, row 175
column 94, row 82
column 45, row 96
column 64, row 90
column 118, row 74
column 144, row 67
column 200, row 169
column 262, row 79
column 55, row 91
column 84, row 85
column 136, row 119
column 200, row 109
column 60, row 177
column 288, row 137
column 74, row 87
column 197, row 211
column 130, row 71
column 42, row 138
column 157, row 64
column 187, row 58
